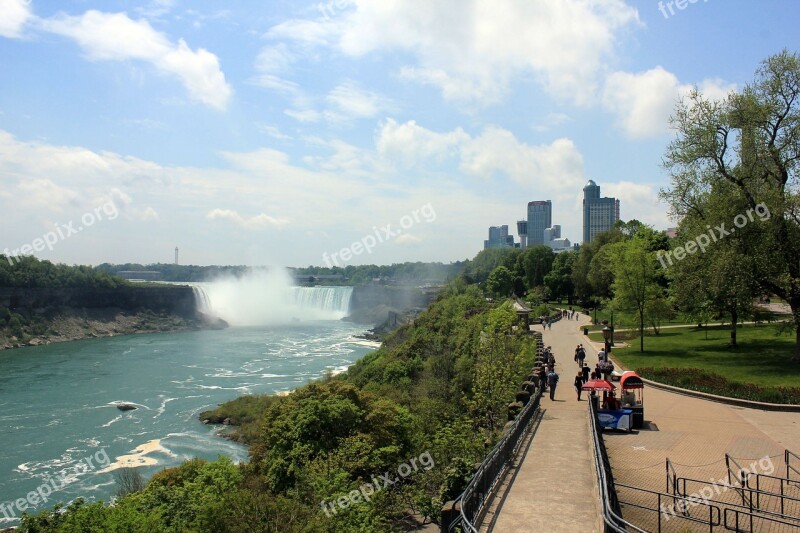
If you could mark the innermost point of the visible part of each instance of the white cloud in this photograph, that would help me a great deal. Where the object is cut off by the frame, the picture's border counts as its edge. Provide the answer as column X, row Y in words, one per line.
column 44, row 194
column 259, row 221
column 15, row 14
column 644, row 101
column 552, row 168
column 407, row 239
column 639, row 201
column 303, row 115
column 274, row 59
column 272, row 131
column 116, row 37
column 349, row 100
column 471, row 49
column 410, row 143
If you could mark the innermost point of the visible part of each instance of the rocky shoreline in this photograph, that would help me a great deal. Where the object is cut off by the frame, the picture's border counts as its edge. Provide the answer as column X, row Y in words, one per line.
column 95, row 323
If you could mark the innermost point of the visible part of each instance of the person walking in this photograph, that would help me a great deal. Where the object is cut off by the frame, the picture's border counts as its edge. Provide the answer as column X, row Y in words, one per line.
column 585, row 372
column 601, row 355
column 543, row 378
column 552, row 381
column 579, row 383
column 581, row 355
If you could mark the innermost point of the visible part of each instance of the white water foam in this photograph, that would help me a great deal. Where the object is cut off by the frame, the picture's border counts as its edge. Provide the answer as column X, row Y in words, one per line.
column 264, row 298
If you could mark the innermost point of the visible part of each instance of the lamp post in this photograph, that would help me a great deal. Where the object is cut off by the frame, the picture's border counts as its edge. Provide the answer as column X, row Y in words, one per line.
column 612, row 326
column 607, row 339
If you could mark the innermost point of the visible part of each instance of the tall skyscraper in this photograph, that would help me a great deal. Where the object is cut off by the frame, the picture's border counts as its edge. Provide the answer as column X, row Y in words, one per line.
column 499, row 238
column 599, row 214
column 540, row 217
column 522, row 231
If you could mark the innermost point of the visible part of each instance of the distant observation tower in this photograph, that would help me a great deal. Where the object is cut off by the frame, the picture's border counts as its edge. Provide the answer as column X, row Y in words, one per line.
column 176, row 255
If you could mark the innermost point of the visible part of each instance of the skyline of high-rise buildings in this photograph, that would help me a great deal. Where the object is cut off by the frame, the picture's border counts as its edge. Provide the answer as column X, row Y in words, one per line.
column 599, row 215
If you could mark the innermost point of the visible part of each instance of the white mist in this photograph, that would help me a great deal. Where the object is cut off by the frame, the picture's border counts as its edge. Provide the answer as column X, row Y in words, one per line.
column 267, row 297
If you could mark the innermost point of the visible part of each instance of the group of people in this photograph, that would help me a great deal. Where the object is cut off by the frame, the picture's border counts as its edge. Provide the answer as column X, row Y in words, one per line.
column 569, row 314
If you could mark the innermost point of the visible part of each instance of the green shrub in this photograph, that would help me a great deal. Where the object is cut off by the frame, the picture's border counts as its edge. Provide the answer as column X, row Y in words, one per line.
column 703, row 381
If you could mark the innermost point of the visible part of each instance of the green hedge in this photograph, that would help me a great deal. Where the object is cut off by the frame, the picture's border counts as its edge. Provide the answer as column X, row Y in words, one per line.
column 703, row 381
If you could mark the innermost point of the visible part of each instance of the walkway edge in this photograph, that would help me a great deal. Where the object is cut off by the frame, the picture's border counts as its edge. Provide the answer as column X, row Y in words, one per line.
column 738, row 402
column 750, row 404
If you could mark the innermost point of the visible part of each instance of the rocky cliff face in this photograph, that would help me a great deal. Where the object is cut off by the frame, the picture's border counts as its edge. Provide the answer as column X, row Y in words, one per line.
column 373, row 304
column 174, row 300
column 57, row 315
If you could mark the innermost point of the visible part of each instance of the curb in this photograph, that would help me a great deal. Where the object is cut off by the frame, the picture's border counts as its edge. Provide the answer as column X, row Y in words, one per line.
column 738, row 402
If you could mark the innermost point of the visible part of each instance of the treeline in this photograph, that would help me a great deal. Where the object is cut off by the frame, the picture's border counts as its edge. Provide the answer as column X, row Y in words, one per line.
column 437, row 389
column 412, row 273
column 29, row 272
column 172, row 272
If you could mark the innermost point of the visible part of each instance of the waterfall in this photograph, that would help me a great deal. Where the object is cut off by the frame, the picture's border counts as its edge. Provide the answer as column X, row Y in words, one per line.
column 201, row 299
column 334, row 300
column 266, row 298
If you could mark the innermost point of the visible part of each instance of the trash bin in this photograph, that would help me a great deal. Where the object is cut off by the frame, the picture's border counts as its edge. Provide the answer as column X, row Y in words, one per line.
column 586, row 331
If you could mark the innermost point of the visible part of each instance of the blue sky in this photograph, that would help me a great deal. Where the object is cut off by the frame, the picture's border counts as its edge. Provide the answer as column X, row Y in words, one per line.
column 275, row 132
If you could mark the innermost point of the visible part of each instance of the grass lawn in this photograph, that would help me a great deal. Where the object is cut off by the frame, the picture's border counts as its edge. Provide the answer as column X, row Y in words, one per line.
column 762, row 357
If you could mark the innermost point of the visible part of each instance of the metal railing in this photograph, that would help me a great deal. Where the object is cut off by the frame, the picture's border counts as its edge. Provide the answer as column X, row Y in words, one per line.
column 472, row 500
column 609, row 504
column 739, row 474
column 788, row 456
column 679, row 504
column 782, row 496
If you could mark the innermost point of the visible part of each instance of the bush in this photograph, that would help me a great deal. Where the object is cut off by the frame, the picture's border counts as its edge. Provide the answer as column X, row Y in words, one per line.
column 703, row 381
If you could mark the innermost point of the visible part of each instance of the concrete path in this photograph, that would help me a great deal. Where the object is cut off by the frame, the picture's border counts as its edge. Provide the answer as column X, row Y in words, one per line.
column 695, row 434
column 554, row 487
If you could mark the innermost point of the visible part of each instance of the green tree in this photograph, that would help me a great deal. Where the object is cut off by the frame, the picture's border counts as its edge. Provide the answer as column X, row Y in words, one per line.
column 537, row 262
column 500, row 282
column 559, row 279
column 748, row 144
column 635, row 279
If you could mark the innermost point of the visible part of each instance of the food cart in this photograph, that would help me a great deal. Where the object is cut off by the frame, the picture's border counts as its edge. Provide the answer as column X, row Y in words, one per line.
column 610, row 413
column 633, row 396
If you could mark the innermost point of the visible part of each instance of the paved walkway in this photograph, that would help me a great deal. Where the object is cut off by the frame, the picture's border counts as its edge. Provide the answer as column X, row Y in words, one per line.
column 695, row 434
column 554, row 487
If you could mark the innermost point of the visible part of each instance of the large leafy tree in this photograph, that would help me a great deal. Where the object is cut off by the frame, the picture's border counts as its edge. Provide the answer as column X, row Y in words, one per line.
column 748, row 144
column 636, row 276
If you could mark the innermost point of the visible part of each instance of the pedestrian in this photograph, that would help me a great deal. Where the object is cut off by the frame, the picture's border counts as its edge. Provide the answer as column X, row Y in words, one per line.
column 577, row 349
column 601, row 355
column 594, row 375
column 552, row 381
column 585, row 372
column 608, row 368
column 542, row 378
column 549, row 324
column 581, row 355
column 579, row 383
column 552, row 361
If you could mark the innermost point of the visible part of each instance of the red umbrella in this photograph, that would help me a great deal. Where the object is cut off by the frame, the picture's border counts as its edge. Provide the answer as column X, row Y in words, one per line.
column 598, row 384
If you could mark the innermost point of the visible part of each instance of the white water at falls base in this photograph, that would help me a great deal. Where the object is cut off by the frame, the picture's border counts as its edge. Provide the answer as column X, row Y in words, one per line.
column 268, row 298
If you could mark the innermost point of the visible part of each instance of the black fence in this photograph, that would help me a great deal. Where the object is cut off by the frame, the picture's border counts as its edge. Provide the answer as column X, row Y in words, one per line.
column 609, row 503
